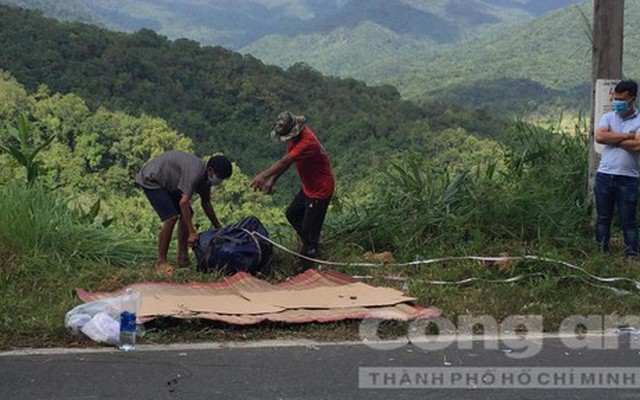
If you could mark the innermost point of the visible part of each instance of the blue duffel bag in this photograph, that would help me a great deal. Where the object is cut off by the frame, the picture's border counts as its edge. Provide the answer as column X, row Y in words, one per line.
column 234, row 248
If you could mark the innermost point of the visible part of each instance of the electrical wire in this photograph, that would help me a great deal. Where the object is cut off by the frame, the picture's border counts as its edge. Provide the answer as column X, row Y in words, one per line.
column 517, row 278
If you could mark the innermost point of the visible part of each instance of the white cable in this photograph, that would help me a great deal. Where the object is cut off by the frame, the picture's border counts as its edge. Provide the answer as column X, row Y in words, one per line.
column 460, row 282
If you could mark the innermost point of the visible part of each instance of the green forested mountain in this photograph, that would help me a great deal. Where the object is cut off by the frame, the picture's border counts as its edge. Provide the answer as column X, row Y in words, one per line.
column 237, row 23
column 69, row 10
column 529, row 66
column 223, row 100
column 548, row 60
column 426, row 49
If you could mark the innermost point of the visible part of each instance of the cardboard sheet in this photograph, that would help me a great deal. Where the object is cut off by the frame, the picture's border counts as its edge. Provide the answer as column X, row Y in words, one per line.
column 244, row 299
column 349, row 295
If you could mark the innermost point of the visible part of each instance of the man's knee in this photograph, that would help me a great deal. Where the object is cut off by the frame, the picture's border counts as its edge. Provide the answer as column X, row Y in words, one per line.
column 171, row 221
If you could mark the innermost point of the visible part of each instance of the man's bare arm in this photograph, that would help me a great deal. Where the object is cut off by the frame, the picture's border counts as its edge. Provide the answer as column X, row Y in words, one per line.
column 271, row 174
column 187, row 219
column 632, row 143
column 607, row 136
column 208, row 210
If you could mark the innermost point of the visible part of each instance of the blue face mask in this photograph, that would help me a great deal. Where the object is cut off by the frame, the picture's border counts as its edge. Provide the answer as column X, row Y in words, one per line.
column 620, row 106
column 215, row 181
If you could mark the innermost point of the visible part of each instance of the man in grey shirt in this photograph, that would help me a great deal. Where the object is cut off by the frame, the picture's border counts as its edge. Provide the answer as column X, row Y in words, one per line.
column 169, row 181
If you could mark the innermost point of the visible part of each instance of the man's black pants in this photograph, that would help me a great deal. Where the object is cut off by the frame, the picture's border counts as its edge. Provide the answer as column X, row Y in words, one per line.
column 306, row 215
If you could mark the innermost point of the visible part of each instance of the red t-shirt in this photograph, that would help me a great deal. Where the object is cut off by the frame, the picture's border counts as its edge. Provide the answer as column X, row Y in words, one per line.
column 312, row 164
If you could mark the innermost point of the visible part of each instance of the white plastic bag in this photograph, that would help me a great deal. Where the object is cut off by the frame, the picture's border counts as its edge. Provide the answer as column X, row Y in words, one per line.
column 99, row 319
column 103, row 328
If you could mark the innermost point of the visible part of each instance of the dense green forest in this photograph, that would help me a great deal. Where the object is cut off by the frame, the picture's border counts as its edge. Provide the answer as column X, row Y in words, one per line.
column 223, row 101
column 90, row 157
column 465, row 192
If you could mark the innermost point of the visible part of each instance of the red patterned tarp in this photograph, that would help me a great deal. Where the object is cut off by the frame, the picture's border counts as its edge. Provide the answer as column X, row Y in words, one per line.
column 243, row 299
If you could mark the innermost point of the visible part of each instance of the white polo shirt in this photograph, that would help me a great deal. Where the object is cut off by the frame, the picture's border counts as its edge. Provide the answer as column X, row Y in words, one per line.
column 615, row 160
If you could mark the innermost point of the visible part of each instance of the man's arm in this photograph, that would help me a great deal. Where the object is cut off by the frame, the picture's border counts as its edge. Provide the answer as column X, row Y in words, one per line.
column 187, row 219
column 266, row 179
column 208, row 210
column 631, row 143
column 607, row 136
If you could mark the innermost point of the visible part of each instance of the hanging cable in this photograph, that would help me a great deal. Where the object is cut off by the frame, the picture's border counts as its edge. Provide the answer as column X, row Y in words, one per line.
column 635, row 283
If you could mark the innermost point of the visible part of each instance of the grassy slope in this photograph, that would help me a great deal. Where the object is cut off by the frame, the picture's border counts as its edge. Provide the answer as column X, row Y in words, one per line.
column 29, row 284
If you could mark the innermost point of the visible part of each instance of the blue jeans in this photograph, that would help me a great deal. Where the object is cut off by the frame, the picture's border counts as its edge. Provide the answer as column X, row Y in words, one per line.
column 622, row 192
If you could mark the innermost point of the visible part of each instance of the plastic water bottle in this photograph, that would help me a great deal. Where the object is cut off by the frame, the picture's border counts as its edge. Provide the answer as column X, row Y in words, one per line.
column 128, row 313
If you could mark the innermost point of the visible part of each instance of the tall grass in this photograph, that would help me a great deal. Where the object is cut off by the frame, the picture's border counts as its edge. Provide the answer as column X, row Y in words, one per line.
column 34, row 221
column 529, row 197
column 46, row 250
column 532, row 193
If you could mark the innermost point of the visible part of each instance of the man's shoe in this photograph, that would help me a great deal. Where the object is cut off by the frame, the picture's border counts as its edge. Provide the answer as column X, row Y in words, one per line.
column 311, row 253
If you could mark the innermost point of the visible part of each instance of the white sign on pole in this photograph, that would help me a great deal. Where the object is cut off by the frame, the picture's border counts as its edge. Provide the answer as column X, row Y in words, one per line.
column 603, row 102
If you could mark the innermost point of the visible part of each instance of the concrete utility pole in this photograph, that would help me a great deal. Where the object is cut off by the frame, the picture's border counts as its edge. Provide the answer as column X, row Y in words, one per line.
column 608, row 29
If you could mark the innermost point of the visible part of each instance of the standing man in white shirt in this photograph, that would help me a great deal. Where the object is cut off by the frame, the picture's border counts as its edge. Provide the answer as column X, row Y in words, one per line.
column 616, row 184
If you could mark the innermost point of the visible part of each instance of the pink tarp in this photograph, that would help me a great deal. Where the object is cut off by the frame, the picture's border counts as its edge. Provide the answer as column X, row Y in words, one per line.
column 243, row 299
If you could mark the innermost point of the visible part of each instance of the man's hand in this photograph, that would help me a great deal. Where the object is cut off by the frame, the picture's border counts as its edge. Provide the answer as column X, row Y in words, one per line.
column 267, row 187
column 193, row 239
column 257, row 183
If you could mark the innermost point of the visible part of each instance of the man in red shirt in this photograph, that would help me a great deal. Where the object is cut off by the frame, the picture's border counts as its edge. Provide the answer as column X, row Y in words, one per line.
column 307, row 211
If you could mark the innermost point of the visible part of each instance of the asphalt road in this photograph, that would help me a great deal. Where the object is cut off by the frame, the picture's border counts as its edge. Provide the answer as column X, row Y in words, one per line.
column 306, row 370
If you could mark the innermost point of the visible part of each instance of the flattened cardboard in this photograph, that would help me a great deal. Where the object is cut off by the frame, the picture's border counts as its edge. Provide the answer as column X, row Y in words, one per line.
column 351, row 295
column 186, row 304
column 243, row 299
